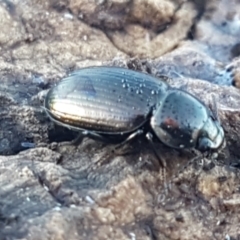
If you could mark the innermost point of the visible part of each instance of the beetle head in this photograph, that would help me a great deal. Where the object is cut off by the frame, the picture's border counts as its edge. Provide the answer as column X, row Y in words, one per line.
column 211, row 137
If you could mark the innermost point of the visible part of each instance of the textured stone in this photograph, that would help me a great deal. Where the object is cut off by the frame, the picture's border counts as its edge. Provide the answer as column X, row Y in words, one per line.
column 56, row 190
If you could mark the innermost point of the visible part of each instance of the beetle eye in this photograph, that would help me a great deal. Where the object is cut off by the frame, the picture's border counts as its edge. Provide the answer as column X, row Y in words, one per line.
column 204, row 144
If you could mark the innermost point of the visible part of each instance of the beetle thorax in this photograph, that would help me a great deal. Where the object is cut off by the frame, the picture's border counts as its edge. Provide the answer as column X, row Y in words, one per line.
column 178, row 121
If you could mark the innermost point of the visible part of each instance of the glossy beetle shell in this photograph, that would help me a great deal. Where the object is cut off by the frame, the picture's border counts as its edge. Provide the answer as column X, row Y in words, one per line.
column 117, row 101
column 107, row 100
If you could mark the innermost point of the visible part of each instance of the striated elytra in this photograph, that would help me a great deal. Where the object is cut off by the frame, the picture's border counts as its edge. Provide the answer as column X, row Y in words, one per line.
column 112, row 102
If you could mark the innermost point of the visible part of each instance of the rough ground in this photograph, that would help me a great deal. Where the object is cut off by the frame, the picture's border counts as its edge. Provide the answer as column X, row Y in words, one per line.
column 57, row 191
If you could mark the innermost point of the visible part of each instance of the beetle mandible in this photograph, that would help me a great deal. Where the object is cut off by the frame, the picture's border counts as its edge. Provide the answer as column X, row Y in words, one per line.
column 112, row 102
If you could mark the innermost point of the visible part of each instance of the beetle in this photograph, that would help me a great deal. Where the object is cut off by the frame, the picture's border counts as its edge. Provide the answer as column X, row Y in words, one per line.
column 109, row 103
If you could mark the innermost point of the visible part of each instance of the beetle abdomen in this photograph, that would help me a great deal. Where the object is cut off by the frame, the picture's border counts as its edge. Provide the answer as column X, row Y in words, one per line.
column 105, row 99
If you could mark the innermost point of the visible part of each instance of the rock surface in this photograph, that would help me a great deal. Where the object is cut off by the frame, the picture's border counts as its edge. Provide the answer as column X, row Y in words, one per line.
column 59, row 191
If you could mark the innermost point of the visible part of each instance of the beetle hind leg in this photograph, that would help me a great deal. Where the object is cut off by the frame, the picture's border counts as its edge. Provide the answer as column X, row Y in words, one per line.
column 90, row 134
column 82, row 134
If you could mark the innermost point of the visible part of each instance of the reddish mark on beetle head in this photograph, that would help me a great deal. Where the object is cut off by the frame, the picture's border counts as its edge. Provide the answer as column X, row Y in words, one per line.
column 171, row 122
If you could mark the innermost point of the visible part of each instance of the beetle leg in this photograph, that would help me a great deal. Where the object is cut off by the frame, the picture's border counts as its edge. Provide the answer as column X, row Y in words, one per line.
column 129, row 138
column 117, row 149
column 90, row 134
column 161, row 160
column 77, row 141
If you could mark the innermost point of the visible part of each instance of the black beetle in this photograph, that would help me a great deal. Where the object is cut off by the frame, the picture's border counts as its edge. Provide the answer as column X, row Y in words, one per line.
column 108, row 102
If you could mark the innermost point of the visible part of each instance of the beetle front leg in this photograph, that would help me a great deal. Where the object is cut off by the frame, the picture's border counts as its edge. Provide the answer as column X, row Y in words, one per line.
column 161, row 160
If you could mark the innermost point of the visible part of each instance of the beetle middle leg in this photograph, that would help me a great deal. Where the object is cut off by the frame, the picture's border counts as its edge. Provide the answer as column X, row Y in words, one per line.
column 129, row 138
column 120, row 149
column 149, row 137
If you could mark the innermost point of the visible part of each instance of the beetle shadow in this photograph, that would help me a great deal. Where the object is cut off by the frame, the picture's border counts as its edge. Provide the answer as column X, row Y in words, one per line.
column 60, row 134
column 138, row 150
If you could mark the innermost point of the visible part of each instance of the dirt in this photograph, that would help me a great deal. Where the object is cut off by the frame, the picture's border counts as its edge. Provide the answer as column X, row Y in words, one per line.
column 53, row 190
